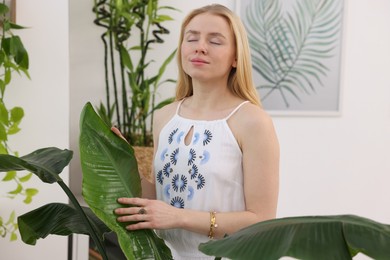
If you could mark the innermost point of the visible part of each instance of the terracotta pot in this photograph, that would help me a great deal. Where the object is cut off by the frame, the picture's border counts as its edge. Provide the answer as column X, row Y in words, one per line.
column 144, row 156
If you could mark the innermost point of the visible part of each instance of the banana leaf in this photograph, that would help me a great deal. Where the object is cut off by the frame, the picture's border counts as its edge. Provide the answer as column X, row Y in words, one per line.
column 110, row 171
column 47, row 164
column 58, row 219
column 308, row 237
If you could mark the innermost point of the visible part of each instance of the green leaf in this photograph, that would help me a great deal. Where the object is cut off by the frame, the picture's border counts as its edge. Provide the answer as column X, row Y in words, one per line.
column 20, row 53
column 110, row 171
column 9, row 176
column 25, row 178
column 14, row 236
column 18, row 189
column 3, row 133
column 59, row 219
column 310, row 237
column 3, row 113
column 17, row 114
column 31, row 192
column 11, row 219
column 46, row 163
column 3, row 9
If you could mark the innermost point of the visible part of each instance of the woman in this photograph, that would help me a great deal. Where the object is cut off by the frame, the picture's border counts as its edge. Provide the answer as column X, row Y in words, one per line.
column 216, row 153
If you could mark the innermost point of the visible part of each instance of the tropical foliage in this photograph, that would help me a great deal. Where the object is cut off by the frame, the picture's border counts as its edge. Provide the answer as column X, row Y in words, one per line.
column 290, row 48
column 129, row 73
column 13, row 58
column 109, row 171
column 308, row 238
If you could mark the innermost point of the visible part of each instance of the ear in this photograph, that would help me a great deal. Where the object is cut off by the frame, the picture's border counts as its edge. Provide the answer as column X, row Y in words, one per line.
column 234, row 64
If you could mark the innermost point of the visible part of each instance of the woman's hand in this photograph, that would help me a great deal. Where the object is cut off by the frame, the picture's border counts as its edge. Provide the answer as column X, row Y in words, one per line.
column 149, row 214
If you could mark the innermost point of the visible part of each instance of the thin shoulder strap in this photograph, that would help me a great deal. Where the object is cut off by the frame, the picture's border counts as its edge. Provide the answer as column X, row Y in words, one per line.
column 179, row 105
column 237, row 108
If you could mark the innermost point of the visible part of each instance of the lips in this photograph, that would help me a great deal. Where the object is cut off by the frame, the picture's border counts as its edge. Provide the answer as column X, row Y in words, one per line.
column 197, row 60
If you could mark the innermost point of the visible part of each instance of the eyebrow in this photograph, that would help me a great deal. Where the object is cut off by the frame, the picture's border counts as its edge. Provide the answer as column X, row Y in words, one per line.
column 215, row 34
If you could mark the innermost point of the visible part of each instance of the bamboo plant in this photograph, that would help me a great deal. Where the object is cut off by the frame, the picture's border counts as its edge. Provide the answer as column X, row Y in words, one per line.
column 131, row 29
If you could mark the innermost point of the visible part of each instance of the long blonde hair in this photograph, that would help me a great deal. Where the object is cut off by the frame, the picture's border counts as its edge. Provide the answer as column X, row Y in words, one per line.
column 240, row 80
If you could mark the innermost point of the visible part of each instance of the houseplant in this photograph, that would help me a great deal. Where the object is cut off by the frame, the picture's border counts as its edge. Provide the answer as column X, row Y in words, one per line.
column 107, row 160
column 100, row 149
column 132, row 28
column 13, row 58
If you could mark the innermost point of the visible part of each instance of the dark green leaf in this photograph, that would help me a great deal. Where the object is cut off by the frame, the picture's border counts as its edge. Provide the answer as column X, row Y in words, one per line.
column 59, row 219
column 109, row 172
column 46, row 163
column 311, row 237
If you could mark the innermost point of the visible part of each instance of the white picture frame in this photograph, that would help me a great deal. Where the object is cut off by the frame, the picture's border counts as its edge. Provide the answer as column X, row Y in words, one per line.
column 319, row 92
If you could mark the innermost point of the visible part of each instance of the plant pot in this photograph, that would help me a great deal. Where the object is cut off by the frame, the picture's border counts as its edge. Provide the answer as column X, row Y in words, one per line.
column 144, row 156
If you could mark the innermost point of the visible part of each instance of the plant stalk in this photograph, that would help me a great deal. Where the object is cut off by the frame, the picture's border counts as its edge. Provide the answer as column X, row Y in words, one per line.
column 83, row 216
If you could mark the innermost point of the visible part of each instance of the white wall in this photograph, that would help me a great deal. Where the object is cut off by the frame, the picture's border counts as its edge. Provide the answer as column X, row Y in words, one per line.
column 329, row 165
column 45, row 99
column 341, row 165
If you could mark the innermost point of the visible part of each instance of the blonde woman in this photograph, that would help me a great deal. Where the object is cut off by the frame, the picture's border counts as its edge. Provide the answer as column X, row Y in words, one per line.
column 216, row 163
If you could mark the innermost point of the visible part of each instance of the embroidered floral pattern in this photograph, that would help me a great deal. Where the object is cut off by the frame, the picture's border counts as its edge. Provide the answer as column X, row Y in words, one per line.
column 180, row 187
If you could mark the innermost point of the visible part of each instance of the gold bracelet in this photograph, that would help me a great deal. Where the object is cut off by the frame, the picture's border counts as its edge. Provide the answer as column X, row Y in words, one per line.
column 213, row 224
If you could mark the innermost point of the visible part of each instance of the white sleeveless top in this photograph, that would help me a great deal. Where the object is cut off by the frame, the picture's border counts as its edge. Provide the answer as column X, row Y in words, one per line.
column 204, row 175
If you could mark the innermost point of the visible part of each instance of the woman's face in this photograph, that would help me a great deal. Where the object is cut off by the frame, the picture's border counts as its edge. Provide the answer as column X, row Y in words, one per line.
column 208, row 49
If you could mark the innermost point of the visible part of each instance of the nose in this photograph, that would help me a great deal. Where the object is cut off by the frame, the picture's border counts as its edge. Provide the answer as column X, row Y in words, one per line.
column 201, row 48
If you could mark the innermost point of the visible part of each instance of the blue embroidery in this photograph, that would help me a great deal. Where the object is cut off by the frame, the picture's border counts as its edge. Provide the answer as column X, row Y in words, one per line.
column 190, row 193
column 193, row 171
column 191, row 157
column 174, row 156
column 207, row 136
column 166, row 191
column 177, row 202
column 170, row 138
column 163, row 154
column 179, row 137
column 179, row 182
column 205, row 157
column 196, row 138
column 160, row 177
column 200, row 182
column 167, row 169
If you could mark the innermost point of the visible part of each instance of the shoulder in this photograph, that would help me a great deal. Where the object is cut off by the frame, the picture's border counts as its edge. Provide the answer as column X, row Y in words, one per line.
column 250, row 121
column 251, row 115
column 163, row 115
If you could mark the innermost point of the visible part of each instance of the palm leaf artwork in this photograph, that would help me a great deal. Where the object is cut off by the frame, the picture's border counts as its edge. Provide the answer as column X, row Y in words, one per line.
column 339, row 237
column 290, row 48
column 110, row 172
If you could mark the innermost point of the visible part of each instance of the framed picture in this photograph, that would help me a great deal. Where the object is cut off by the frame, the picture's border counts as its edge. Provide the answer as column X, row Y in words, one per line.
column 296, row 54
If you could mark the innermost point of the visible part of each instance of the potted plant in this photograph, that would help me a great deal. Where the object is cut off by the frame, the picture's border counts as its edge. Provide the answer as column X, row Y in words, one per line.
column 13, row 58
column 131, row 29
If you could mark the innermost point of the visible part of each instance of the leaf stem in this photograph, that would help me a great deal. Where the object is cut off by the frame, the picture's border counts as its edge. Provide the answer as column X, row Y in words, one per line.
column 84, row 217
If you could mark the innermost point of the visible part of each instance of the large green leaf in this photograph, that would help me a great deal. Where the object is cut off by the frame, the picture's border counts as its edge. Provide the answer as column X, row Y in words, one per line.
column 109, row 172
column 312, row 237
column 59, row 219
column 46, row 163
